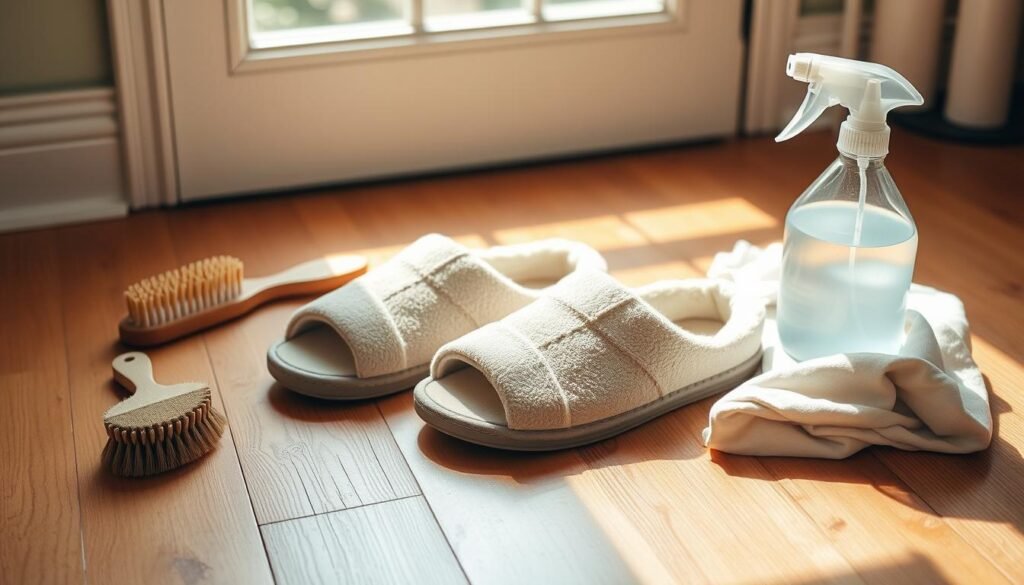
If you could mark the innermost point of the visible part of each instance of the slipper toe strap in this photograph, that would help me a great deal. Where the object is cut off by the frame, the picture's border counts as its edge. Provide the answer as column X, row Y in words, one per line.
column 591, row 350
column 397, row 315
column 518, row 372
column 359, row 317
column 565, row 360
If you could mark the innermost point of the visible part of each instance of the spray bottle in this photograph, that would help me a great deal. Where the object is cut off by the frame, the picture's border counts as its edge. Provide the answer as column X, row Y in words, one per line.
column 850, row 241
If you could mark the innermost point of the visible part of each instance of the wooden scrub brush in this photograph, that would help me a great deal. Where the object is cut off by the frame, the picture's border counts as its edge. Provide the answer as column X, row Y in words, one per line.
column 157, row 428
column 207, row 292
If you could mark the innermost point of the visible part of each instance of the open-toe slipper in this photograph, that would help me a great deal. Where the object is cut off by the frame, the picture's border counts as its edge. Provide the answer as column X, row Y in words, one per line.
column 591, row 359
column 376, row 335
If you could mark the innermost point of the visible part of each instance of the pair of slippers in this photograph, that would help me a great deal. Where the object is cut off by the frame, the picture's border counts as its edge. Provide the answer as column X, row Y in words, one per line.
column 525, row 347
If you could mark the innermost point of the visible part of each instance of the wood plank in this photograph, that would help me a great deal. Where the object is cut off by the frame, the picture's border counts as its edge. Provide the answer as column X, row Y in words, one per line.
column 649, row 506
column 300, row 456
column 510, row 518
column 863, row 507
column 39, row 505
column 189, row 525
column 962, row 250
column 971, row 259
column 390, row 542
column 876, row 520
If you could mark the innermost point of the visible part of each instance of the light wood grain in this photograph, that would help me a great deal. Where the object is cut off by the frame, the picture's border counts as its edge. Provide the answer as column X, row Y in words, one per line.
column 337, row 487
column 300, row 456
column 194, row 524
column 965, row 248
column 40, row 538
column 678, row 184
column 510, row 517
column 390, row 542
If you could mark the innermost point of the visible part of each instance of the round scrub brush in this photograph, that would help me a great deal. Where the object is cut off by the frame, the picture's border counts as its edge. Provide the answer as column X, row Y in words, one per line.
column 158, row 427
column 206, row 292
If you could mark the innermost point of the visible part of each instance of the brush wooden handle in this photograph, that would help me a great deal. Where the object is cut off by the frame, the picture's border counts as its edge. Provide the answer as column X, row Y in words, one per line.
column 134, row 370
column 309, row 278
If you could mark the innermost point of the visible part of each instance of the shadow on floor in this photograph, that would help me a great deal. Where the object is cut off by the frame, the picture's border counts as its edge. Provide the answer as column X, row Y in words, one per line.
column 915, row 568
column 978, row 486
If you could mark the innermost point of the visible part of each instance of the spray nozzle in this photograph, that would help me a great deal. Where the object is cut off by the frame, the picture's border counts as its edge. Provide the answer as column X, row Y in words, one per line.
column 868, row 90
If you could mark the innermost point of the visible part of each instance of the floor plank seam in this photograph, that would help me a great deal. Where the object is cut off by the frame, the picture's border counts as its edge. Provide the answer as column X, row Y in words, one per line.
column 71, row 415
column 348, row 478
column 234, row 446
column 387, row 478
column 302, row 484
column 426, row 500
column 339, row 510
column 266, row 551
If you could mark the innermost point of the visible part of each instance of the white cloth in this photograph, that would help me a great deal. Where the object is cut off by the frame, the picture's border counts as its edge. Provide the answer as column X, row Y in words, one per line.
column 929, row 397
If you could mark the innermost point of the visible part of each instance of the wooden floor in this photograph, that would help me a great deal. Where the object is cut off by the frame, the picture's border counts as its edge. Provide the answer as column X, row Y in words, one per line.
column 304, row 491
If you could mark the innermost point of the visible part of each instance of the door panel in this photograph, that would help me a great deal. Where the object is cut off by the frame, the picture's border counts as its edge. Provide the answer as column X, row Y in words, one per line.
column 250, row 131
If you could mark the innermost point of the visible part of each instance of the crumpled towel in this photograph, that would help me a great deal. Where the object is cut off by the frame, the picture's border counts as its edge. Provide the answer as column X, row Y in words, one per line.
column 929, row 397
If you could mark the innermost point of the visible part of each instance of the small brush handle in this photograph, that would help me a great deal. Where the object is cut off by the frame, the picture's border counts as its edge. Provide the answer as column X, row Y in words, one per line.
column 133, row 370
column 305, row 277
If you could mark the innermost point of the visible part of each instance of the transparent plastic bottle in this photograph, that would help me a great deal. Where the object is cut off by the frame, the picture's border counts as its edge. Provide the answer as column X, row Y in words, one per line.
column 848, row 259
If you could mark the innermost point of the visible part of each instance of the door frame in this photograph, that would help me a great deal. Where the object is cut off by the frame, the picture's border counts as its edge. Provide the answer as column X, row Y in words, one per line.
column 144, row 102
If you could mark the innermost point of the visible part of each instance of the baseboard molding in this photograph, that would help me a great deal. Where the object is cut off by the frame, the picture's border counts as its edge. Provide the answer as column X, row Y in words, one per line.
column 60, row 159
column 51, row 214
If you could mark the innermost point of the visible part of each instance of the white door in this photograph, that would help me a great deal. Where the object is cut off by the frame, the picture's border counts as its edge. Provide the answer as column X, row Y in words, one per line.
column 273, row 94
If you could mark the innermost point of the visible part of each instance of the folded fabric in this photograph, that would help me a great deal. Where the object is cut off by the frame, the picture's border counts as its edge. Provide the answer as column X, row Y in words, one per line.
column 929, row 397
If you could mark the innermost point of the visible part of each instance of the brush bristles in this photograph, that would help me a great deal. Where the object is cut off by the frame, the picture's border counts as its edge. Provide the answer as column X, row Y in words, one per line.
column 184, row 291
column 142, row 452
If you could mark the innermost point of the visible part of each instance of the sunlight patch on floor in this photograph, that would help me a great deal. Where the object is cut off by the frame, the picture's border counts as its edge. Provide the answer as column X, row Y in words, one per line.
column 994, row 361
column 621, row 530
column 605, row 232
column 690, row 221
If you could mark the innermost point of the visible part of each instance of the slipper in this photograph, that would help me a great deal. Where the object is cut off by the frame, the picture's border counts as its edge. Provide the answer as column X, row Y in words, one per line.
column 592, row 359
column 376, row 335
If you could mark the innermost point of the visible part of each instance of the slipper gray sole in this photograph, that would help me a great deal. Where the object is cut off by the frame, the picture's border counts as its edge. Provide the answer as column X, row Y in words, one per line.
column 330, row 386
column 491, row 434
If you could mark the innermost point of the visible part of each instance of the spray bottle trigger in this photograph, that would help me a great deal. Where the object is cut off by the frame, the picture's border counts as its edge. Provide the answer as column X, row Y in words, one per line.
column 816, row 102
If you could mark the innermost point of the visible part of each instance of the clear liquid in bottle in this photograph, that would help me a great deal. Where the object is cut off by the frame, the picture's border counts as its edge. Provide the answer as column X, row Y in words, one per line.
column 837, row 297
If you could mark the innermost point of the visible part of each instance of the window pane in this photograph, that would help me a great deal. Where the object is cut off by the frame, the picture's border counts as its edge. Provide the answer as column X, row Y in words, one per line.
column 442, row 7
column 443, row 15
column 575, row 9
column 275, row 15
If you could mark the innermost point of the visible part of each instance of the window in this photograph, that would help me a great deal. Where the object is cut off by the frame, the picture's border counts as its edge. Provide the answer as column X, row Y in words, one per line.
column 283, row 23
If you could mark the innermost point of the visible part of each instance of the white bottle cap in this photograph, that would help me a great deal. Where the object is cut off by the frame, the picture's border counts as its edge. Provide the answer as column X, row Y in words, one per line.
column 857, row 142
column 864, row 133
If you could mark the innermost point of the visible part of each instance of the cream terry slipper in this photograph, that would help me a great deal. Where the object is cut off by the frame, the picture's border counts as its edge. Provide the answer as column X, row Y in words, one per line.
column 376, row 334
column 591, row 359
